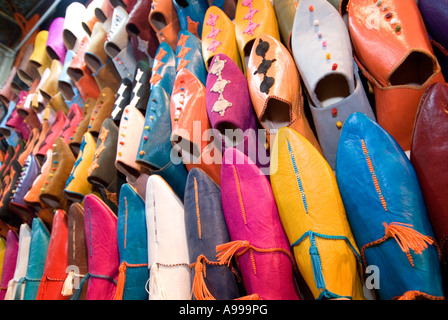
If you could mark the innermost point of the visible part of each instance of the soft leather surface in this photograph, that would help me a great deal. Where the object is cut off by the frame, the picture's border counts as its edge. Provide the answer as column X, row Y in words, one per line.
column 379, row 185
column 251, row 215
column 314, row 218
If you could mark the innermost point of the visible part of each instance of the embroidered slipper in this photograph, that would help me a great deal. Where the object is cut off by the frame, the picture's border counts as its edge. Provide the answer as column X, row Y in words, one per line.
column 253, row 18
column 155, row 149
column 169, row 265
column 265, row 259
column 398, row 86
column 314, row 219
column 218, row 36
column 271, row 65
column 99, row 172
column 389, row 205
column 164, row 68
column 132, row 238
column 191, row 133
column 189, row 55
column 205, row 229
column 230, row 110
column 333, row 87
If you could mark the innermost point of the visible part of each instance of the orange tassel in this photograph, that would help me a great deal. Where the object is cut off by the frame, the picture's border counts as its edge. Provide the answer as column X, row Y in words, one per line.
column 227, row 250
column 408, row 238
column 121, row 281
column 199, row 288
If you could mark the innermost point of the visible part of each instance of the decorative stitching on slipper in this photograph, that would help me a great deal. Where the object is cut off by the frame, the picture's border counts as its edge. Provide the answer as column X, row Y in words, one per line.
column 299, row 180
column 196, row 196
column 372, row 172
column 240, row 198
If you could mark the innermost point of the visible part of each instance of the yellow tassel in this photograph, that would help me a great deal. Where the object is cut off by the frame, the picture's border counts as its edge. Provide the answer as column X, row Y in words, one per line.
column 227, row 250
column 121, row 281
column 408, row 238
column 67, row 288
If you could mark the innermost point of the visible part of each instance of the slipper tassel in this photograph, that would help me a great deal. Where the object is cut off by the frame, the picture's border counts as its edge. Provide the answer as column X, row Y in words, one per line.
column 227, row 250
column 155, row 286
column 120, row 282
column 199, row 288
column 67, row 287
column 408, row 238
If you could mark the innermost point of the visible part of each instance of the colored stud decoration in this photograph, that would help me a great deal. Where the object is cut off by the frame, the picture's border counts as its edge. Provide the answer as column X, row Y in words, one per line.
column 334, row 66
column 334, row 112
column 393, row 21
column 339, row 124
column 388, row 15
column 311, row 8
column 385, row 7
column 379, row 2
column 316, row 23
column 142, row 152
column 397, row 28
column 324, row 43
column 328, row 56
column 319, row 35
